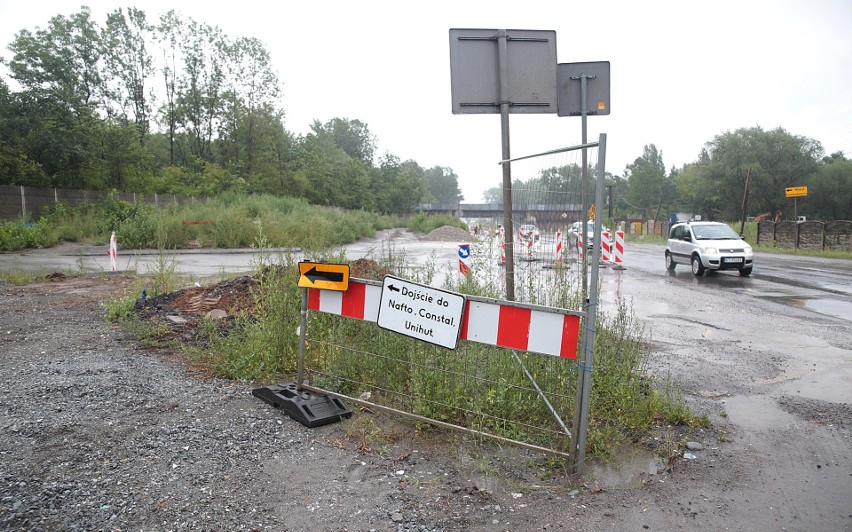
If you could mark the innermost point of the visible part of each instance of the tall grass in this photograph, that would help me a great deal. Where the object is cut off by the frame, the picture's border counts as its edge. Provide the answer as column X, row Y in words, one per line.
column 226, row 221
column 478, row 386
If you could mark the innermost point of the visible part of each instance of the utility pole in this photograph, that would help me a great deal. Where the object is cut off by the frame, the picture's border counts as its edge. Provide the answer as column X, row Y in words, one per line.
column 609, row 200
column 745, row 202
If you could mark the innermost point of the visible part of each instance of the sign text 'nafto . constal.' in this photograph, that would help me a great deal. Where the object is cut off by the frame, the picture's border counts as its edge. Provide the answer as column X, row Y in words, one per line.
column 421, row 312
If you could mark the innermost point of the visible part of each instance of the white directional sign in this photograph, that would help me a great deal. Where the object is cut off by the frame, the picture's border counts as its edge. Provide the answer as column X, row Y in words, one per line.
column 421, row 312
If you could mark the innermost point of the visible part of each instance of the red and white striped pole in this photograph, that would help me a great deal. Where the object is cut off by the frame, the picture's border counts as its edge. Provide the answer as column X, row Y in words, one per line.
column 619, row 250
column 558, row 246
column 580, row 245
column 605, row 247
column 113, row 251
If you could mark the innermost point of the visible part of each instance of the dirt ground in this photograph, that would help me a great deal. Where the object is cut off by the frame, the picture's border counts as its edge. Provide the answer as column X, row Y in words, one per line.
column 96, row 433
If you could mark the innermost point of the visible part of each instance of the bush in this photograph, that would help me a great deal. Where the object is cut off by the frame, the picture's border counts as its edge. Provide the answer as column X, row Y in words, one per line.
column 16, row 235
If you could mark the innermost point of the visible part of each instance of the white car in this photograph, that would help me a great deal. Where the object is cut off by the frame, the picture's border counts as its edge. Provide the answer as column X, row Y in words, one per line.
column 577, row 227
column 528, row 232
column 708, row 246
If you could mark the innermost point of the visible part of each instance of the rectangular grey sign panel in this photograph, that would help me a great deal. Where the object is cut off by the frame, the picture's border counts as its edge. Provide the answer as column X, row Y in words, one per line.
column 597, row 88
column 475, row 71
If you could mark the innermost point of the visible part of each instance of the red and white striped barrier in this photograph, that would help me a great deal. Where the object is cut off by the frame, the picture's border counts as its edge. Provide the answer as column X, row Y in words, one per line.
column 605, row 247
column 502, row 246
column 580, row 238
column 534, row 329
column 558, row 246
column 619, row 249
column 113, row 251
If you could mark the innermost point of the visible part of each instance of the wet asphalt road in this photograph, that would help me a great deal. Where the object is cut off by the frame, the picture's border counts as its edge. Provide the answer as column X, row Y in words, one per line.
column 823, row 286
column 820, row 285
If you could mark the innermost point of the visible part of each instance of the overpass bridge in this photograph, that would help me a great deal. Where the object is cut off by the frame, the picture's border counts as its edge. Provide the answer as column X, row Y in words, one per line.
column 542, row 214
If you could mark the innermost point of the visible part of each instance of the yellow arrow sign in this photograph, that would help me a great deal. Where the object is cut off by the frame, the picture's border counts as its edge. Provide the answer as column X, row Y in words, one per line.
column 324, row 276
column 792, row 192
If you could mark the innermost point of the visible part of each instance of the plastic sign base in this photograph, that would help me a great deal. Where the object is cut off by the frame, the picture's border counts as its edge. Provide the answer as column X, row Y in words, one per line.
column 308, row 408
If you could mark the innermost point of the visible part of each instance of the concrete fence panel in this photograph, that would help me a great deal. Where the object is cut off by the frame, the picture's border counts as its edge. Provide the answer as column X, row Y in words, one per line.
column 765, row 232
column 10, row 202
column 786, row 234
column 811, row 236
column 19, row 202
column 838, row 235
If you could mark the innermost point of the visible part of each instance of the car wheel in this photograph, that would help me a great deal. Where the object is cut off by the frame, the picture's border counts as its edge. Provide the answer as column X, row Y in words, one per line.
column 745, row 272
column 670, row 263
column 697, row 267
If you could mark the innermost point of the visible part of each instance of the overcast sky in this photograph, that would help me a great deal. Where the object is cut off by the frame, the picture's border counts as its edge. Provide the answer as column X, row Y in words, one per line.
column 682, row 72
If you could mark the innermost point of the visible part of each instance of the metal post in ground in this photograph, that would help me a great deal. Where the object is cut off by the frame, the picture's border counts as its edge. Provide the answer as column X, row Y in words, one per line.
column 303, row 325
column 590, row 322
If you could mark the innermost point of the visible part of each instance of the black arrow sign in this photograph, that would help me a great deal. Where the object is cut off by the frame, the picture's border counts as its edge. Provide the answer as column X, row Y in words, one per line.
column 392, row 288
column 314, row 276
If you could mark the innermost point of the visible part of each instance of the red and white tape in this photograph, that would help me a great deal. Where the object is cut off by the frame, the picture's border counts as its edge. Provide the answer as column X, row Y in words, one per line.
column 558, row 246
column 534, row 329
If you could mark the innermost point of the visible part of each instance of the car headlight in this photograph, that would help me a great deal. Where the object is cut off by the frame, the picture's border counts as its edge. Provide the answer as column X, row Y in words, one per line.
column 748, row 249
column 711, row 251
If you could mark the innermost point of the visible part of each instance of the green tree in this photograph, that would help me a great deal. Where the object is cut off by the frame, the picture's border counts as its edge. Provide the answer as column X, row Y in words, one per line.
column 776, row 158
column 830, row 191
column 198, row 96
column 351, row 136
column 493, row 195
column 252, row 91
column 442, row 186
column 648, row 187
column 129, row 68
column 397, row 187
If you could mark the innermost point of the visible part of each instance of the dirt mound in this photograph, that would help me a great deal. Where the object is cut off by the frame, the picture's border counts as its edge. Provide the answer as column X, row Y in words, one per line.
column 179, row 313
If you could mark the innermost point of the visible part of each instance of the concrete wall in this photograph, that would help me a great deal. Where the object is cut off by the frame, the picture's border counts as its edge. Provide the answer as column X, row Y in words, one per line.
column 766, row 232
column 810, row 236
column 838, row 235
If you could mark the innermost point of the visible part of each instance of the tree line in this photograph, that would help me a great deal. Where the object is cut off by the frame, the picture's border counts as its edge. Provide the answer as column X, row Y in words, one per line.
column 714, row 186
column 174, row 105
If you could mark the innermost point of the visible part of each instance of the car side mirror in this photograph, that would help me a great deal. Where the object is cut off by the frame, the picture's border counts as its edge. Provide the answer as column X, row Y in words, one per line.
column 687, row 238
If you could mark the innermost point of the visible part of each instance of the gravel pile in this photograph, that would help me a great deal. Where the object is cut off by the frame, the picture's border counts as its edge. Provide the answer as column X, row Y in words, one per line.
column 448, row 234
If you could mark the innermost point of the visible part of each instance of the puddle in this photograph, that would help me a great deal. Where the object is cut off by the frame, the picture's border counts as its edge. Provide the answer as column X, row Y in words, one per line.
column 628, row 467
column 757, row 413
column 829, row 307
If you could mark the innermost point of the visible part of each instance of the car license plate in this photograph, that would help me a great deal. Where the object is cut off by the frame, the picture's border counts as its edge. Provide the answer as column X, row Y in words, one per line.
column 730, row 260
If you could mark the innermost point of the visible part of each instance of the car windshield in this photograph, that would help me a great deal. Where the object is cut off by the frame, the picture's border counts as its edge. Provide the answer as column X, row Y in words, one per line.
column 714, row 232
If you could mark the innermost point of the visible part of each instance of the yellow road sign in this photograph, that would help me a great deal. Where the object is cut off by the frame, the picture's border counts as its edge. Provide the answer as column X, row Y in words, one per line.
column 793, row 192
column 324, row 276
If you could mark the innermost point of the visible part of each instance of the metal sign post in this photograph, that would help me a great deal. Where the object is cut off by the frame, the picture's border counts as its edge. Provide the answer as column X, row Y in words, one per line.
column 311, row 409
column 795, row 193
column 590, row 325
column 504, row 79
